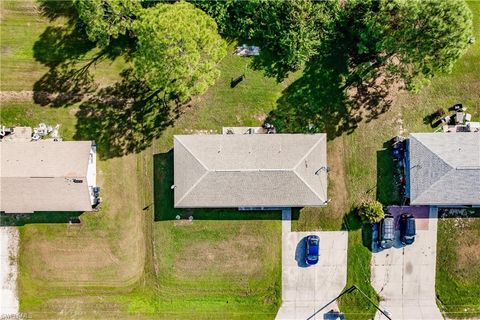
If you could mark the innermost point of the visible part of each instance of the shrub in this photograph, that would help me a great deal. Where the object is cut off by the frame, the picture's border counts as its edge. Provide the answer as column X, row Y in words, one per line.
column 371, row 212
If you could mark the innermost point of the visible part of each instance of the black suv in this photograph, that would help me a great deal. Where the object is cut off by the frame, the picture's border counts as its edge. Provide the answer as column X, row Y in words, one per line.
column 407, row 228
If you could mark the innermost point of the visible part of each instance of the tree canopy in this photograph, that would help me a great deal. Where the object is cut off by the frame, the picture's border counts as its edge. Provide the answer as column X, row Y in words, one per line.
column 178, row 49
column 413, row 40
column 289, row 32
column 107, row 19
column 179, row 46
column 292, row 31
column 409, row 40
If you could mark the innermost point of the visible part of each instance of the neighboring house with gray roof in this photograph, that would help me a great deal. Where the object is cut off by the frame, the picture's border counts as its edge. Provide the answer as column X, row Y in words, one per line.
column 250, row 170
column 444, row 169
column 47, row 175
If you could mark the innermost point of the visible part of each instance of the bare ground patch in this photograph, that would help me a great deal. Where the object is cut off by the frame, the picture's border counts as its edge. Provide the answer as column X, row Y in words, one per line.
column 261, row 116
column 72, row 258
column 468, row 249
column 237, row 256
column 337, row 177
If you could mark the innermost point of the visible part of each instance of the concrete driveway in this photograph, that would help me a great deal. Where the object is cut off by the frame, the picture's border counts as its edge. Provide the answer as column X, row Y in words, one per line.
column 306, row 289
column 8, row 272
column 404, row 277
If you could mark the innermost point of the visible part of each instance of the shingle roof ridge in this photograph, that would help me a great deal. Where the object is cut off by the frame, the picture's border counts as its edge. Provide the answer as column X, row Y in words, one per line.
column 437, row 156
column 440, row 180
column 190, row 151
column 207, row 170
column 309, row 187
column 192, row 187
column 323, row 136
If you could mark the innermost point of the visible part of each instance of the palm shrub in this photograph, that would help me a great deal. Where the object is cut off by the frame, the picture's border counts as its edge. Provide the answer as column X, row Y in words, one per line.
column 371, row 212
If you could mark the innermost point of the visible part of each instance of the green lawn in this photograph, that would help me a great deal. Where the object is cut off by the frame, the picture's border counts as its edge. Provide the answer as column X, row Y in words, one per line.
column 458, row 274
column 368, row 170
column 131, row 259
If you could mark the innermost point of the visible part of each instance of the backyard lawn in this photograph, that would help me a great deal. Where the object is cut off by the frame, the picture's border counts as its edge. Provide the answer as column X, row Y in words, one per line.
column 132, row 258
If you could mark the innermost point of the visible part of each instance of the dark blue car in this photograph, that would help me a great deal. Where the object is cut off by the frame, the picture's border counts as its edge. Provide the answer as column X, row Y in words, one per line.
column 407, row 228
column 312, row 250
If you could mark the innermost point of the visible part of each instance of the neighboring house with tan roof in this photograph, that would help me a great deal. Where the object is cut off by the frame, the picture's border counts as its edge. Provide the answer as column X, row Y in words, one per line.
column 250, row 170
column 443, row 169
column 48, row 175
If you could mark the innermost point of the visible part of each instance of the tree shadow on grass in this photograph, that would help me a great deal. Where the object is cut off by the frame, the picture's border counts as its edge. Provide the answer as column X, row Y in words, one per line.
column 7, row 219
column 123, row 118
column 314, row 103
column 59, row 44
column 68, row 53
column 352, row 222
column 268, row 61
column 63, row 86
column 164, row 199
column 331, row 96
column 53, row 9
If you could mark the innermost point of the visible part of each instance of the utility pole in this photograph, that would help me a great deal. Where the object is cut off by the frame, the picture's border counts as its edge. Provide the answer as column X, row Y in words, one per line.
column 350, row 290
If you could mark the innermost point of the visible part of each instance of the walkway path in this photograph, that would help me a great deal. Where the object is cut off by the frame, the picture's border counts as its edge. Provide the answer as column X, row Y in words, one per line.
column 8, row 271
column 306, row 289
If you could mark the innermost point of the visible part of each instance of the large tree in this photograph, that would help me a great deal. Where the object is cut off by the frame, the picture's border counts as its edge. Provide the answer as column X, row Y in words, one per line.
column 288, row 32
column 237, row 19
column 178, row 49
column 107, row 19
column 410, row 40
column 292, row 31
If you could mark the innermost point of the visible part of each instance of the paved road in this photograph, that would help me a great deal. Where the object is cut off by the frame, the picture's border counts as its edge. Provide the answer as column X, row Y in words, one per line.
column 305, row 289
column 8, row 271
column 404, row 277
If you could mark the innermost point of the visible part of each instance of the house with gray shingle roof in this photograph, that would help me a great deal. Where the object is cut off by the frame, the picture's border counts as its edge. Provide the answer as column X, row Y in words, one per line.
column 443, row 169
column 47, row 175
column 250, row 170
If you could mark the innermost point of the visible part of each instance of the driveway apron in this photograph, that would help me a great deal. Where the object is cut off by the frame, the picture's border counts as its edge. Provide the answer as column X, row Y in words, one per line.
column 306, row 289
column 404, row 277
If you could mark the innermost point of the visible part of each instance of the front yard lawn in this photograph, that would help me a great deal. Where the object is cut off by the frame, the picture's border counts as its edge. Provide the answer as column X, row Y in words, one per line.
column 458, row 272
column 134, row 260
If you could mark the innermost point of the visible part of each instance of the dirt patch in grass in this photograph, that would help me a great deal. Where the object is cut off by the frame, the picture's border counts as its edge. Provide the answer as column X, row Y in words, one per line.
column 261, row 116
column 337, row 177
column 234, row 257
column 71, row 258
column 469, row 256
column 467, row 248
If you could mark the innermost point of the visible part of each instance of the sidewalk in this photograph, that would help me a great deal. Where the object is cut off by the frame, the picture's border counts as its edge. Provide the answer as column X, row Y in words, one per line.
column 8, row 271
